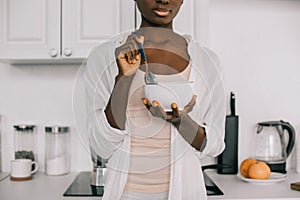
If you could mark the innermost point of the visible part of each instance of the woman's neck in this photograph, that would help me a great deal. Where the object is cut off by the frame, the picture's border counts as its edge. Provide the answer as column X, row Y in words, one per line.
column 146, row 24
column 157, row 34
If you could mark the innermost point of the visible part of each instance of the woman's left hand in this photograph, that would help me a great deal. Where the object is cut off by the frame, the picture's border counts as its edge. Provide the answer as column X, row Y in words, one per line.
column 174, row 116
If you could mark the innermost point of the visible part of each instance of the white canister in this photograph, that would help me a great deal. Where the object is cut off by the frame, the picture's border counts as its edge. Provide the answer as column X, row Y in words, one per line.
column 57, row 154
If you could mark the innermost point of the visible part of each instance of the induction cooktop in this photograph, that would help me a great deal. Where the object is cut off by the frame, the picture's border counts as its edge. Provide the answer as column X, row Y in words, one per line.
column 81, row 186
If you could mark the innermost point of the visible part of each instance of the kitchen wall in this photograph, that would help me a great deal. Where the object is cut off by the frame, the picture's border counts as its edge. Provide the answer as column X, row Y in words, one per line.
column 41, row 95
column 259, row 45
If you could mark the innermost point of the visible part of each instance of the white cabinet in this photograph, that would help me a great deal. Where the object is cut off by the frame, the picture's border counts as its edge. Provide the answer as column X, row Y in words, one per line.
column 54, row 31
column 88, row 22
column 29, row 29
column 44, row 31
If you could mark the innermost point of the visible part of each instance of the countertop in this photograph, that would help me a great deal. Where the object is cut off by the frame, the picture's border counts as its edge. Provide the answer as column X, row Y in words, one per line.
column 52, row 188
column 234, row 188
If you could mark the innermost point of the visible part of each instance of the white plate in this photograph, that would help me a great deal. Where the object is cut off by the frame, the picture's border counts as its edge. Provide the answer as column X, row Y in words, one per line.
column 274, row 178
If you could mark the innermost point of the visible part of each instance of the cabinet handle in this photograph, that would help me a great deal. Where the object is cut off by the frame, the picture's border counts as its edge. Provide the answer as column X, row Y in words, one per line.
column 67, row 52
column 53, row 52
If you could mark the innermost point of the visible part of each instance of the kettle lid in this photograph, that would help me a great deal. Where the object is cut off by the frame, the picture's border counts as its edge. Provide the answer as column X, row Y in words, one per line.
column 271, row 123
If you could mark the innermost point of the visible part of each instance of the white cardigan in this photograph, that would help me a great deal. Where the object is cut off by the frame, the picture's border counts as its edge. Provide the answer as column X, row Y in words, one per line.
column 186, row 180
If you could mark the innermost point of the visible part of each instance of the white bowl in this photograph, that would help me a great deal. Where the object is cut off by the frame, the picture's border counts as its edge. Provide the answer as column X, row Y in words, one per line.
column 167, row 93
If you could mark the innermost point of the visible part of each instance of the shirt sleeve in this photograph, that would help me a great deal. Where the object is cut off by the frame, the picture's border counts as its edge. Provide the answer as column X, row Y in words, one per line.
column 99, row 78
column 211, row 102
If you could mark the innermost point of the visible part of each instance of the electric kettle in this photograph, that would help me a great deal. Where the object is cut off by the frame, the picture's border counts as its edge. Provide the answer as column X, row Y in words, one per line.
column 270, row 144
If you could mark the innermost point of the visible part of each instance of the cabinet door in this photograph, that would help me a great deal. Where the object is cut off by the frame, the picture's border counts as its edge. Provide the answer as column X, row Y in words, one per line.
column 29, row 29
column 86, row 23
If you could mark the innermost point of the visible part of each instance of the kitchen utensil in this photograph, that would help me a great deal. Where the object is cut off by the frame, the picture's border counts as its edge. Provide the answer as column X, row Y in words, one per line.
column 270, row 145
column 99, row 168
column 81, row 187
column 25, row 142
column 57, row 153
column 229, row 156
column 274, row 178
column 149, row 76
column 21, row 169
column 166, row 93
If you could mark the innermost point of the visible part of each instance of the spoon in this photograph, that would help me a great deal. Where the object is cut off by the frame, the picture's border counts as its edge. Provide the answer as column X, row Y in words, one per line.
column 149, row 77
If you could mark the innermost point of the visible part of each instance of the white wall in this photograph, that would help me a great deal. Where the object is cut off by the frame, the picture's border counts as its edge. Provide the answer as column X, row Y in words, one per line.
column 258, row 42
column 40, row 95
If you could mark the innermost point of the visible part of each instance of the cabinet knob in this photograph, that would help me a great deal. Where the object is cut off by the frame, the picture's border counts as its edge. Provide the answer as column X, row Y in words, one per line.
column 53, row 52
column 67, row 52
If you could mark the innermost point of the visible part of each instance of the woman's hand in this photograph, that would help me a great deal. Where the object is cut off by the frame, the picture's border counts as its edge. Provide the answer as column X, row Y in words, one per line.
column 175, row 116
column 128, row 55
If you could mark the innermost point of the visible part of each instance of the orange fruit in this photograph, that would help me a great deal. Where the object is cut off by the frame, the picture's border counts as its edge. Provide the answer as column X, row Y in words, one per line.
column 244, row 167
column 259, row 170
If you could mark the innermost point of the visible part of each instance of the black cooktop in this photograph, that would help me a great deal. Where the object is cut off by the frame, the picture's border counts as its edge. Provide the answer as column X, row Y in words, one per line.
column 81, row 186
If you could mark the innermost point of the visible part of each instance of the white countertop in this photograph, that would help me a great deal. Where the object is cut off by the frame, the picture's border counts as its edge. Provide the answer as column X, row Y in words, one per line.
column 235, row 188
column 52, row 188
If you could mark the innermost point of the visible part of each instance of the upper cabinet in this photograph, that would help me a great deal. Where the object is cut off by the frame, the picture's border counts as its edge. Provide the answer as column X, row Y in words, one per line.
column 64, row 31
column 47, row 31
column 29, row 29
column 86, row 23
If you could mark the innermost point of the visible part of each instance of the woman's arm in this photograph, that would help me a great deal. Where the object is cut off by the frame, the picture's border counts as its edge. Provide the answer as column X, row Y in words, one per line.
column 193, row 133
column 128, row 61
column 116, row 108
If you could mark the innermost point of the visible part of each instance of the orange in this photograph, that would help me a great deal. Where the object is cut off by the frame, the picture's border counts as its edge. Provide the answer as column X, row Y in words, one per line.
column 259, row 170
column 245, row 166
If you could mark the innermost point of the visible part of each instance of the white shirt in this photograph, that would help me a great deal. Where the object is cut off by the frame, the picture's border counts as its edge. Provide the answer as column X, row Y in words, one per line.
column 186, row 179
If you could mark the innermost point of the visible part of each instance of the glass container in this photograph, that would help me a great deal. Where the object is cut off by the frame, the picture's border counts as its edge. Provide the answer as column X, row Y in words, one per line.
column 25, row 142
column 57, row 153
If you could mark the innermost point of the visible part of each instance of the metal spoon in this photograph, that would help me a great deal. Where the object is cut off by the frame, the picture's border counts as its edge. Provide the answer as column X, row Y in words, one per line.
column 149, row 77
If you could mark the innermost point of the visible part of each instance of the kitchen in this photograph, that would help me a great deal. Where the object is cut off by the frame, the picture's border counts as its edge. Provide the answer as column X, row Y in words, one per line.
column 258, row 44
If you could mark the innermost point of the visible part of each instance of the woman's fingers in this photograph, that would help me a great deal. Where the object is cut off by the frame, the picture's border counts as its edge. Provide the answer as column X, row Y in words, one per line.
column 149, row 106
column 146, row 103
column 159, row 111
column 175, row 110
column 130, row 50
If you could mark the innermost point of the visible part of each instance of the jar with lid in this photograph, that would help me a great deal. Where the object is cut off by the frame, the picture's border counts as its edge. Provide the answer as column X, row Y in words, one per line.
column 25, row 142
column 57, row 156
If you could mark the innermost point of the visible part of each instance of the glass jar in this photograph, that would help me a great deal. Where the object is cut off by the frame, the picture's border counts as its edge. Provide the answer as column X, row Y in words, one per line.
column 57, row 156
column 25, row 142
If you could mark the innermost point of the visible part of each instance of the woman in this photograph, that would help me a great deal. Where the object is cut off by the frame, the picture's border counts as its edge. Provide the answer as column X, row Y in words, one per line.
column 154, row 154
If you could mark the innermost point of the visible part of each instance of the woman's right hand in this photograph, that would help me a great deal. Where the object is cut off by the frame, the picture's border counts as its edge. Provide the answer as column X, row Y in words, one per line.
column 128, row 55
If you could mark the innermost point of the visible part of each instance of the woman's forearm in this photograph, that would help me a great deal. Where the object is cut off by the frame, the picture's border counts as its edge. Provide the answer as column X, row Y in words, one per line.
column 193, row 133
column 116, row 108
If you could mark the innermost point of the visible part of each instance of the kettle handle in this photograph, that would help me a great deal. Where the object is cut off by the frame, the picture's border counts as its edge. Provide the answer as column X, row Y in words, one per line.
column 291, row 131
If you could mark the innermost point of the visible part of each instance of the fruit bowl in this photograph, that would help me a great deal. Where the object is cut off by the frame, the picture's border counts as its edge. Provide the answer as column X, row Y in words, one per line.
column 166, row 93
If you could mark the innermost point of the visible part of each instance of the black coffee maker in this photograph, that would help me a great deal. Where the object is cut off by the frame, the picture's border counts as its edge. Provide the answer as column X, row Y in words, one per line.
column 270, row 144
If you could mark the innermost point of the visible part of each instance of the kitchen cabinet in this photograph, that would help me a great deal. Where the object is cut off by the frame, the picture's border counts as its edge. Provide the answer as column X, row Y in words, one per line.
column 59, row 30
column 88, row 22
column 64, row 31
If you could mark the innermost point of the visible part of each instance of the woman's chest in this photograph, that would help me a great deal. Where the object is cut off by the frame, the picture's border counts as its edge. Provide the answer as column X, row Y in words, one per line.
column 166, row 59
